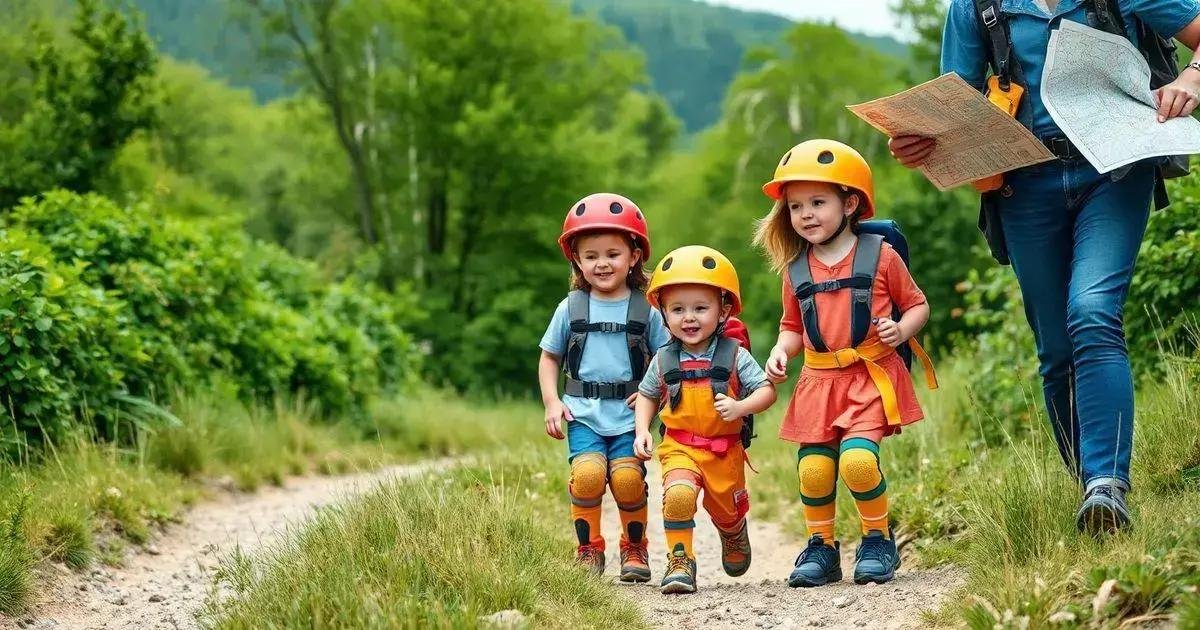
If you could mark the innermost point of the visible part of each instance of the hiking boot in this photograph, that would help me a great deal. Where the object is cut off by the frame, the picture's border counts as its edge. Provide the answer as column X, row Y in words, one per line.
column 818, row 565
column 635, row 562
column 1103, row 510
column 735, row 550
column 876, row 559
column 590, row 557
column 681, row 572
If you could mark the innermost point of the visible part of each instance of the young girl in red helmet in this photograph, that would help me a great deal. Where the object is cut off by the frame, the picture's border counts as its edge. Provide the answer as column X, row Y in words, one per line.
column 603, row 335
column 841, row 292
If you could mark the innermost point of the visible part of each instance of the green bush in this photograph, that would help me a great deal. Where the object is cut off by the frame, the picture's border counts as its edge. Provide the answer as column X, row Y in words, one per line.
column 105, row 307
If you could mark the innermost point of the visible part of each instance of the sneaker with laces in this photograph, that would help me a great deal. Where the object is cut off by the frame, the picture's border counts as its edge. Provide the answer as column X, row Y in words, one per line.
column 590, row 557
column 817, row 565
column 735, row 550
column 1103, row 510
column 876, row 559
column 681, row 572
column 635, row 562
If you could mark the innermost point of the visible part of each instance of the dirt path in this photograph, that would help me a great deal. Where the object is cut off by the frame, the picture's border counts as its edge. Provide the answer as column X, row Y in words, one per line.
column 163, row 585
column 761, row 598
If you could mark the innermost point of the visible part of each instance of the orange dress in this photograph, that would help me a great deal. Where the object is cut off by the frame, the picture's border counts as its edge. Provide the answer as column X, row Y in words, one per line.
column 827, row 404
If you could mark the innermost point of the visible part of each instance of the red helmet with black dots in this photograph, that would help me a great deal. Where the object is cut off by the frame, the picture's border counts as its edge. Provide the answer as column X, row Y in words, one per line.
column 601, row 212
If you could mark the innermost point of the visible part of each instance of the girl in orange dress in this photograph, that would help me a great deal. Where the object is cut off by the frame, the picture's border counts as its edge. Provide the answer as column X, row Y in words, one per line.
column 855, row 388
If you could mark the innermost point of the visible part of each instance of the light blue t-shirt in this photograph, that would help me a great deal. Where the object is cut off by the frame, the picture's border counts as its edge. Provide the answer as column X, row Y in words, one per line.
column 964, row 50
column 750, row 375
column 605, row 360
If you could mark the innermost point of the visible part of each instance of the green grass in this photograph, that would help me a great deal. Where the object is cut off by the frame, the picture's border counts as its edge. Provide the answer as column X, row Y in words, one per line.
column 440, row 551
column 84, row 503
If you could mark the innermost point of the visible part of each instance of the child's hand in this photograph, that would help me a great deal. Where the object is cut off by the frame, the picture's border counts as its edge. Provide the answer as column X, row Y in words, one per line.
column 631, row 401
column 729, row 408
column 643, row 445
column 777, row 365
column 556, row 414
column 889, row 331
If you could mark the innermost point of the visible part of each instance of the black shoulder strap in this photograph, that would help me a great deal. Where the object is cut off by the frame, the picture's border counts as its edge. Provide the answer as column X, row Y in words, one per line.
column 1106, row 16
column 578, row 314
column 670, row 372
column 866, row 260
column 996, row 37
column 801, row 278
column 724, row 362
column 637, row 324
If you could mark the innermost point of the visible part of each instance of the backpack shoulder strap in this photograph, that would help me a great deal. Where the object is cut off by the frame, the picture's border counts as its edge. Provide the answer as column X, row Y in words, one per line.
column 1106, row 16
column 800, row 275
column 578, row 314
column 995, row 36
column 866, row 260
column 637, row 324
column 724, row 364
column 670, row 373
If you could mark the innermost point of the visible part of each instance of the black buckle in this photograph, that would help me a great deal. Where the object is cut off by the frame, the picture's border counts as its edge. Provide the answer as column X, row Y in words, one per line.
column 611, row 327
column 1061, row 147
column 989, row 17
column 635, row 328
column 827, row 285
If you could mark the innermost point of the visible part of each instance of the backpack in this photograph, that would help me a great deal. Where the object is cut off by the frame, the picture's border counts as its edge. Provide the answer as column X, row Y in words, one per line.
column 719, row 373
column 1104, row 15
column 871, row 237
column 635, row 327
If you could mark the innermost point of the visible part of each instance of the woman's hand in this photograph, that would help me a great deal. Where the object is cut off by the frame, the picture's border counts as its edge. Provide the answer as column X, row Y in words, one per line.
column 643, row 445
column 1179, row 97
column 729, row 408
column 556, row 414
column 777, row 365
column 889, row 332
column 911, row 151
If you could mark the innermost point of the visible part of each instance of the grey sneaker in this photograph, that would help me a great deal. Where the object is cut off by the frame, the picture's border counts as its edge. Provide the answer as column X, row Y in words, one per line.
column 1103, row 510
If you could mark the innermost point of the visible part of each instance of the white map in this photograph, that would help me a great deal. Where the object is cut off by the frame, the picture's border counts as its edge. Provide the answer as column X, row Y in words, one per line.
column 1096, row 86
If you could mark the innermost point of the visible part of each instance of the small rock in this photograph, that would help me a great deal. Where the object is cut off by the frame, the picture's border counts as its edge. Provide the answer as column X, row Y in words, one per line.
column 768, row 594
column 842, row 602
column 94, row 609
column 861, row 623
column 152, row 550
column 82, row 586
column 816, row 622
column 505, row 619
column 119, row 600
column 113, row 493
column 155, row 598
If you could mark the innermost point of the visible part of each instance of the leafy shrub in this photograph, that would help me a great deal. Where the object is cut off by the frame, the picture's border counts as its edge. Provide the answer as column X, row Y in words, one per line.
column 103, row 305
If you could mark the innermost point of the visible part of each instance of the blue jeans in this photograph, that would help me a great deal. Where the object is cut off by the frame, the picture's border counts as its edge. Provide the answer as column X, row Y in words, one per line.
column 582, row 439
column 1073, row 236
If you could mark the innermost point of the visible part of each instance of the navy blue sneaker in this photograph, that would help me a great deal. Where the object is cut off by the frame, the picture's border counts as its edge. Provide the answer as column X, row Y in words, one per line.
column 876, row 559
column 817, row 565
column 1103, row 510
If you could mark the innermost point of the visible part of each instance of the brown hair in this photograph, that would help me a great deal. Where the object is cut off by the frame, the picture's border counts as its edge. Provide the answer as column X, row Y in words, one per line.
column 637, row 279
column 777, row 238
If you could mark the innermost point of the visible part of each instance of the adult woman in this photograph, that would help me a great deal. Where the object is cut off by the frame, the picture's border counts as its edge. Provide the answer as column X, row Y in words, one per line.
column 1073, row 234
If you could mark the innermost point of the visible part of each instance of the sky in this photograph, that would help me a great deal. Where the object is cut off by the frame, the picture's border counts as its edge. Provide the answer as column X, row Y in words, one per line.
column 865, row 16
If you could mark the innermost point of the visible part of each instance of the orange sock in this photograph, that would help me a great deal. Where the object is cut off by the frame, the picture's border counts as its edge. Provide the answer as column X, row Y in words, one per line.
column 861, row 473
column 587, row 525
column 681, row 536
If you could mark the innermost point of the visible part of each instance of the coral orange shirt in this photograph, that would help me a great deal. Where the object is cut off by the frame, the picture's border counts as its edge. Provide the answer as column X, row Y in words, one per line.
column 893, row 284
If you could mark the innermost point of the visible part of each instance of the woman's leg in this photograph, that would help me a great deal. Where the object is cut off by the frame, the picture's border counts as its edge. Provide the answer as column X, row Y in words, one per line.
column 1109, row 225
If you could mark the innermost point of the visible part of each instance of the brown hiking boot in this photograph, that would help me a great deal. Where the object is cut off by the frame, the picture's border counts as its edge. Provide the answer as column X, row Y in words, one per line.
column 590, row 557
column 681, row 572
column 635, row 562
column 735, row 550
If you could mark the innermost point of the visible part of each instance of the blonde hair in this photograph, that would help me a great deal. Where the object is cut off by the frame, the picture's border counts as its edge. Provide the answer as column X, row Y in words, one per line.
column 777, row 238
column 637, row 279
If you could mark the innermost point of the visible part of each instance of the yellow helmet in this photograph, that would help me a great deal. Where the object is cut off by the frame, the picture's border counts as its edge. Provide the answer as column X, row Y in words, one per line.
column 825, row 161
column 696, row 264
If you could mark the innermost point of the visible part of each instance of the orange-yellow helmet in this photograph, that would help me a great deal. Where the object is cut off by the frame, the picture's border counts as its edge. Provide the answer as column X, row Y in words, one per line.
column 825, row 161
column 696, row 264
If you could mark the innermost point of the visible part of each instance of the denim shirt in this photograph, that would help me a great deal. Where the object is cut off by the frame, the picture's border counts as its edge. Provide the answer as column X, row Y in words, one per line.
column 965, row 52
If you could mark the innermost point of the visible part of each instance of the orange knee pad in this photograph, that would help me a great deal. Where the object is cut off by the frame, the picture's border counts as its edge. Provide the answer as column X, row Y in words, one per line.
column 589, row 475
column 627, row 478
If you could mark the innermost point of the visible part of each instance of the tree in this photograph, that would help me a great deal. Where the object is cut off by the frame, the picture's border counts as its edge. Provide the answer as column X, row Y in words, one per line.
column 85, row 102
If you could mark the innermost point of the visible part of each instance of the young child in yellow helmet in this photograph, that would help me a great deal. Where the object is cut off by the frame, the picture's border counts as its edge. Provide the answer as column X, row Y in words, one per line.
column 706, row 384
column 842, row 292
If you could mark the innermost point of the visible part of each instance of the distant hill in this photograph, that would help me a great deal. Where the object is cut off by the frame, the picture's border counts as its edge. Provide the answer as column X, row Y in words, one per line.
column 693, row 50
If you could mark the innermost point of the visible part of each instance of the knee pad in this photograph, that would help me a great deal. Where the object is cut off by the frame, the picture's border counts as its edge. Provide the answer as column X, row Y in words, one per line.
column 679, row 504
column 627, row 478
column 589, row 475
column 817, row 470
column 860, row 469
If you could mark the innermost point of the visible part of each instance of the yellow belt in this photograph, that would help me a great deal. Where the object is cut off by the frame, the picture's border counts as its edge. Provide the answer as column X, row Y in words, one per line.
column 869, row 354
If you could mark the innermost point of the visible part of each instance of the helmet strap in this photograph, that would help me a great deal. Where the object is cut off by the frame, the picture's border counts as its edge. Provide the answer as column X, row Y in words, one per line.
column 841, row 228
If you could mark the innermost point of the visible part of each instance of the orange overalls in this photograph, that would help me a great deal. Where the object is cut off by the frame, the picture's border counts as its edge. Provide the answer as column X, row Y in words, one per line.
column 701, row 451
